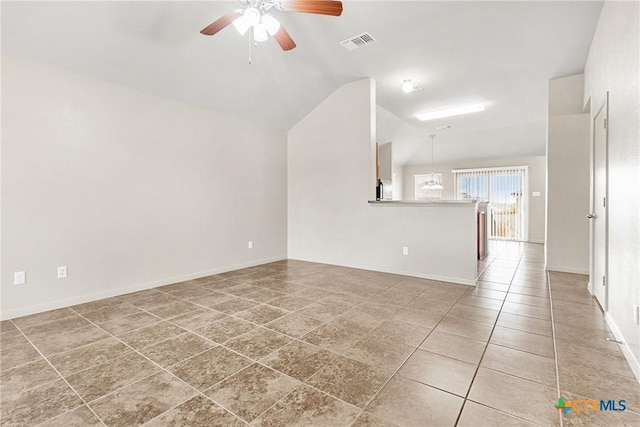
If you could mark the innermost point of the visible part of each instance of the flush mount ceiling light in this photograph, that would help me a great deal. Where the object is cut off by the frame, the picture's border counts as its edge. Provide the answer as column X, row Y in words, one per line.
column 409, row 85
column 448, row 112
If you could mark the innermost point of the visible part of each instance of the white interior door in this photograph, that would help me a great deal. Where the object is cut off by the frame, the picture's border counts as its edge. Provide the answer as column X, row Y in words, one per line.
column 598, row 214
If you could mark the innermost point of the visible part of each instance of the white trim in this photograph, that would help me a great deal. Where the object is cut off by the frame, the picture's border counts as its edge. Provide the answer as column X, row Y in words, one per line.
column 628, row 354
column 584, row 271
column 457, row 280
column 52, row 305
column 541, row 242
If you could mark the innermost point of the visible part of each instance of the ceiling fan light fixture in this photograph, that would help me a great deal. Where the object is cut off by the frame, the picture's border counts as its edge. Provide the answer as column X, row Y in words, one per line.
column 448, row 112
column 409, row 85
column 260, row 33
column 252, row 15
column 271, row 24
column 242, row 24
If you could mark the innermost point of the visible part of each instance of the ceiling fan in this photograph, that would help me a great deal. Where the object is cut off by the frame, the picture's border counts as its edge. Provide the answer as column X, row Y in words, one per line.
column 256, row 16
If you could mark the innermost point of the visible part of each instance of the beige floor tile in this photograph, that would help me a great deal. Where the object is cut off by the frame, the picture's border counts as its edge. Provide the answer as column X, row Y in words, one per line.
column 234, row 305
column 173, row 309
column 477, row 314
column 524, row 341
column 102, row 379
column 454, row 346
column 97, row 305
column 265, row 295
column 258, row 342
column 47, row 316
column 369, row 420
column 423, row 318
column 150, row 335
column 308, row 407
column 336, row 336
column 7, row 326
column 174, row 350
column 38, row 404
column 487, row 293
column 11, row 339
column 474, row 414
column 252, row 391
column 463, row 327
column 87, row 356
column 197, row 319
column 481, row 302
column 349, row 380
column 410, row 403
column 608, row 360
column 17, row 355
column 322, row 312
column 225, row 329
column 198, row 411
column 298, row 359
column 208, row 368
column 79, row 417
column 64, row 341
column 211, row 299
column 445, row 373
column 529, row 300
column 123, row 324
column 43, row 330
column 515, row 396
column 379, row 354
column 262, row 314
column 25, row 377
column 526, row 324
column 291, row 302
column 502, row 287
column 112, row 312
column 294, row 325
column 142, row 401
column 540, row 292
column 400, row 332
column 520, row 364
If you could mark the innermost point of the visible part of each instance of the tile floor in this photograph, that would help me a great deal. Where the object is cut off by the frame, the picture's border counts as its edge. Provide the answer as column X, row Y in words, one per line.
column 295, row 343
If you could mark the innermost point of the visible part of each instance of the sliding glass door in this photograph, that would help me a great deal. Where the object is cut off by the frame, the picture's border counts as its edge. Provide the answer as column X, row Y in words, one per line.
column 506, row 191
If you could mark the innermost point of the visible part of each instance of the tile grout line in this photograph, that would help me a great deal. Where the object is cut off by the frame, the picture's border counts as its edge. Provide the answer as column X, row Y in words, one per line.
column 466, row 397
column 63, row 379
column 555, row 348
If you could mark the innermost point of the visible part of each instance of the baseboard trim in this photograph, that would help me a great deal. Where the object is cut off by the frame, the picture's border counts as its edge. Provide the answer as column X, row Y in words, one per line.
column 457, row 280
column 540, row 242
column 567, row 270
column 53, row 305
column 628, row 354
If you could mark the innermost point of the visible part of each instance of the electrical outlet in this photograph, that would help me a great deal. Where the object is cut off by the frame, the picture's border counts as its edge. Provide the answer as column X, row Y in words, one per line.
column 636, row 314
column 62, row 272
column 250, row 245
column 405, row 250
column 19, row 277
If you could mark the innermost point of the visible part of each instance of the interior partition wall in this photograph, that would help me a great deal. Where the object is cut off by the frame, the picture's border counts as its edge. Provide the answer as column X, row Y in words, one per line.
column 505, row 188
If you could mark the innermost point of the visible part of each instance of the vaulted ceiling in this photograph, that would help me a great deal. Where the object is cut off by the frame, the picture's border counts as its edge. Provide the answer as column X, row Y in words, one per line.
column 499, row 53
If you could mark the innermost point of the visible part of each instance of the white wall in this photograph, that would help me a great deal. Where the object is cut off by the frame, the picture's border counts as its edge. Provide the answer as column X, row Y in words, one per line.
column 613, row 65
column 331, row 179
column 537, row 178
column 127, row 189
column 568, row 158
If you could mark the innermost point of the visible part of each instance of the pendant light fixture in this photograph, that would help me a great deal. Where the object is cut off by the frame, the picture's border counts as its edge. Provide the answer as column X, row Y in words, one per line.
column 434, row 181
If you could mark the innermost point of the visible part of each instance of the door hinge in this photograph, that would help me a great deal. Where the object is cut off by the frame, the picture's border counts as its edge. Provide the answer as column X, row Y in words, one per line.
column 604, row 281
column 605, row 123
column 604, row 202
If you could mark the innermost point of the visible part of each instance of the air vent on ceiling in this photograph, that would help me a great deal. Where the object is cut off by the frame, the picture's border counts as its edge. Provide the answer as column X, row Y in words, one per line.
column 358, row 41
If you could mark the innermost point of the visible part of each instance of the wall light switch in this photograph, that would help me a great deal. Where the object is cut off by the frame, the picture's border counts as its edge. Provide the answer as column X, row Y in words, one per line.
column 405, row 250
column 250, row 245
column 62, row 272
column 536, row 194
column 19, row 277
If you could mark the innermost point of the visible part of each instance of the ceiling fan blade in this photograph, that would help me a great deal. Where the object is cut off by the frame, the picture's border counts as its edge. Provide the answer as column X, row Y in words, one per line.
column 320, row 7
column 284, row 39
column 221, row 23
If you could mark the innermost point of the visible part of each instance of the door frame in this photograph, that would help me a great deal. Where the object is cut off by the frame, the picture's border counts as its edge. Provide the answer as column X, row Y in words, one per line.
column 592, row 204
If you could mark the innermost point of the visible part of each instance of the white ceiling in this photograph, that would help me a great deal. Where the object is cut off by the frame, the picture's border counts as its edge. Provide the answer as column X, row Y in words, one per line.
column 499, row 53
